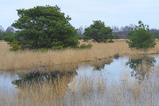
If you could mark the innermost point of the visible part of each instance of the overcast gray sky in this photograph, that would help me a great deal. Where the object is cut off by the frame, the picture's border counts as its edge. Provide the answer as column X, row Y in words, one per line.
column 83, row 12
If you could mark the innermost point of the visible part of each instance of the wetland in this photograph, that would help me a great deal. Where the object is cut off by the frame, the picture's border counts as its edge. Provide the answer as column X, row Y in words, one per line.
column 115, row 77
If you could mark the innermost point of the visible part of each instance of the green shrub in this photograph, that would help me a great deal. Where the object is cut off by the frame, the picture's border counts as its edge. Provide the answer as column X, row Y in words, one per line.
column 116, row 36
column 84, row 46
column 57, row 47
column 140, row 37
column 110, row 41
column 8, row 38
column 79, row 37
column 86, row 38
column 14, row 45
column 43, row 49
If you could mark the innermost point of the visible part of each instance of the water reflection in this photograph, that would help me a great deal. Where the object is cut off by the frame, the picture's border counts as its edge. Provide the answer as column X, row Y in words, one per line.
column 100, row 64
column 47, row 87
column 141, row 65
column 36, row 77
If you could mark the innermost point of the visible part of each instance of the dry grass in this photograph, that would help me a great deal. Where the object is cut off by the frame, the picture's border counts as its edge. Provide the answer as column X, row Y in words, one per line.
column 86, row 92
column 28, row 59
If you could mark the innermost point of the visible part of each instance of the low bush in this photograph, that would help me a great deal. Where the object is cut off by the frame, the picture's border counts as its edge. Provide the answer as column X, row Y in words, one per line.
column 84, row 46
column 86, row 38
column 14, row 45
column 110, row 41
column 42, row 49
column 59, row 47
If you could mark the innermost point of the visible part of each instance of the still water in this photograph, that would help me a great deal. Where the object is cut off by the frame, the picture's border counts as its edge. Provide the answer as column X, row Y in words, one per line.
column 113, row 71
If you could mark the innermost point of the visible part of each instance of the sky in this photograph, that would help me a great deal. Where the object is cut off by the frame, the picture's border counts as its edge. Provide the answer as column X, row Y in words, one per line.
column 83, row 12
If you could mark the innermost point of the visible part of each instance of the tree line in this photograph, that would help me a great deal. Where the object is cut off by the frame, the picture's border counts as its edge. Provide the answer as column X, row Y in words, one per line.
column 121, row 32
column 118, row 33
column 47, row 27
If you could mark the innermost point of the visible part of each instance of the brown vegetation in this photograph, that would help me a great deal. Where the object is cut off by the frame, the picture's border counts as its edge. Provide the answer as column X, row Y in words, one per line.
column 27, row 59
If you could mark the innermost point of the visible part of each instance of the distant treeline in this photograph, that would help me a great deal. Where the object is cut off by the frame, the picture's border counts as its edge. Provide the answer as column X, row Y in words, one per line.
column 122, row 32
column 118, row 33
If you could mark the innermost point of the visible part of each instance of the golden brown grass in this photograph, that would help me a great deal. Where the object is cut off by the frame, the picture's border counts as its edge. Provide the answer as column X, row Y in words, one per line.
column 27, row 59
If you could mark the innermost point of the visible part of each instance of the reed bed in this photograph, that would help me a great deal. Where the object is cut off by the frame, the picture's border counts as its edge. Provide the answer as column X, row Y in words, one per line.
column 26, row 59
column 86, row 92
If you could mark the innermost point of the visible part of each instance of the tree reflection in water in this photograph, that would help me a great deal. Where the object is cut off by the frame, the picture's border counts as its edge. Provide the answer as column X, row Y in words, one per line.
column 141, row 65
column 100, row 64
column 40, row 77
column 44, row 86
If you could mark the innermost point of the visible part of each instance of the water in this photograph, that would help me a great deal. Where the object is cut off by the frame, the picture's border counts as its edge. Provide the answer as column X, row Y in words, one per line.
column 6, row 79
column 133, row 68
column 113, row 72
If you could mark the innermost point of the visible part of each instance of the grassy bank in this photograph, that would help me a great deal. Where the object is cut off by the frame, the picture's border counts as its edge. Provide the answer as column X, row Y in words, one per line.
column 27, row 59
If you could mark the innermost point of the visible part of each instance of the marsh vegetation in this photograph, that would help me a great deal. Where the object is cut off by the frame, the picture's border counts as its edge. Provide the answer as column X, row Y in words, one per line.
column 95, row 76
